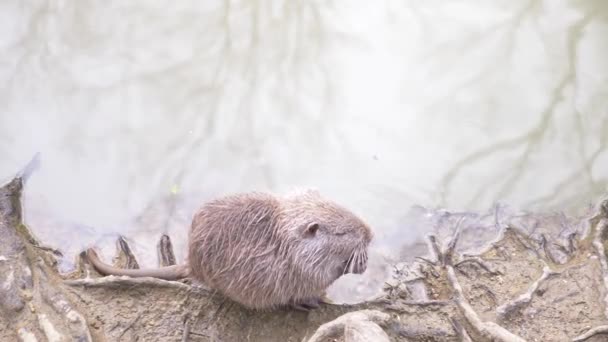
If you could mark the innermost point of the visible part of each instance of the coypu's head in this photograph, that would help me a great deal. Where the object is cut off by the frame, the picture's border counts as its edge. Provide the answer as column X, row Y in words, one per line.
column 329, row 239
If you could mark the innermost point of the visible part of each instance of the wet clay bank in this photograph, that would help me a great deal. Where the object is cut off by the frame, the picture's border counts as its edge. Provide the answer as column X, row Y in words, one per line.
column 543, row 279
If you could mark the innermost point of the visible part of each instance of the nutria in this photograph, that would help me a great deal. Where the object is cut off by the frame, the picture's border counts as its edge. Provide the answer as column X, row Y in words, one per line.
column 265, row 251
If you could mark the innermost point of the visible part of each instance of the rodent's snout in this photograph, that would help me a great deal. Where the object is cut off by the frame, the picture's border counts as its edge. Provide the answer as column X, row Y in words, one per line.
column 361, row 265
column 357, row 264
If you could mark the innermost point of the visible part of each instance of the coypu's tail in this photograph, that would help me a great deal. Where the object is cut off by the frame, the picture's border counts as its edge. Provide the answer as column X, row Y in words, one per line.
column 168, row 273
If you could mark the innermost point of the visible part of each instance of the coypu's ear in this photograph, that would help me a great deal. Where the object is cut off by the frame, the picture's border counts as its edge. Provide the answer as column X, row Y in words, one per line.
column 311, row 229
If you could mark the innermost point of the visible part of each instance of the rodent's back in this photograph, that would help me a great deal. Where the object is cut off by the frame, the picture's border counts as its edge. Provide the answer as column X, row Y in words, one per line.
column 236, row 246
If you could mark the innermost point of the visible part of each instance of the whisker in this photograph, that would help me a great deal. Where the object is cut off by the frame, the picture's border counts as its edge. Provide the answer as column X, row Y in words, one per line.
column 348, row 263
column 363, row 260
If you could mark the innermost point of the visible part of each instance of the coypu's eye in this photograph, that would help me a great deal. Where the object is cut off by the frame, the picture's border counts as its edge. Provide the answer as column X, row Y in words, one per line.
column 341, row 233
column 312, row 228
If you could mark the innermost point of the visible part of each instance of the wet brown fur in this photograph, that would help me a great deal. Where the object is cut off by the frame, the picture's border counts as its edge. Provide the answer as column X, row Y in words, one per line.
column 265, row 251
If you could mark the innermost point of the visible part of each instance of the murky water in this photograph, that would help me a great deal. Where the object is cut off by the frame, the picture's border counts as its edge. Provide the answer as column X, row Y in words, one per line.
column 143, row 110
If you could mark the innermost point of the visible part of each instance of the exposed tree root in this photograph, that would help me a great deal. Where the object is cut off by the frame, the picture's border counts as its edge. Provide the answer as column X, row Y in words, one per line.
column 506, row 308
column 118, row 281
column 599, row 247
column 186, row 332
column 461, row 331
column 355, row 326
column 547, row 251
column 488, row 330
column 77, row 324
column 435, row 250
column 401, row 306
column 427, row 261
column 600, row 330
column 423, row 302
column 395, row 303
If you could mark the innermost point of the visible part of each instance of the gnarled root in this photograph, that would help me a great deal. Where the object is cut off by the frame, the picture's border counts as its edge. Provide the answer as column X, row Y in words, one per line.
column 118, row 281
column 506, row 308
column 354, row 326
column 460, row 331
column 602, row 329
column 488, row 330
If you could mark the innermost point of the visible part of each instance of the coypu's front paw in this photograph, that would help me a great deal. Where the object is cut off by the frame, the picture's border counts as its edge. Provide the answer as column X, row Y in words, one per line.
column 308, row 304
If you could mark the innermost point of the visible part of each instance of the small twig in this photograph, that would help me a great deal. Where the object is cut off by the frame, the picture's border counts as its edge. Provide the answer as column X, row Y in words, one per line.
column 129, row 326
column 523, row 239
column 506, row 308
column 448, row 255
column 434, row 247
column 545, row 247
column 572, row 241
column 602, row 329
column 479, row 261
column 489, row 291
column 599, row 246
column 430, row 269
column 562, row 248
column 427, row 261
column 111, row 281
column 54, row 251
column 399, row 306
column 423, row 302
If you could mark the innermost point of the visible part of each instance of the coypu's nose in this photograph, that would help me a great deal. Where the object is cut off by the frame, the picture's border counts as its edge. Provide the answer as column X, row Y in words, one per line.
column 356, row 264
column 359, row 267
